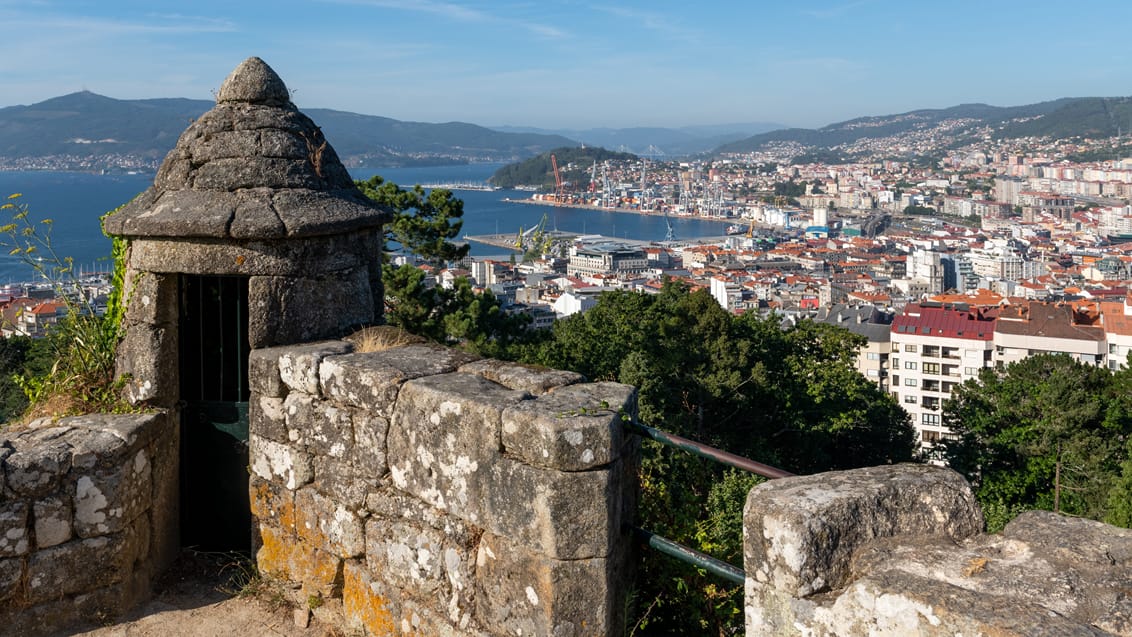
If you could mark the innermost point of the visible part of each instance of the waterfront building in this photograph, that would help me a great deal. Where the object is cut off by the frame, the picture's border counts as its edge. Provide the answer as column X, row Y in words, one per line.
column 606, row 258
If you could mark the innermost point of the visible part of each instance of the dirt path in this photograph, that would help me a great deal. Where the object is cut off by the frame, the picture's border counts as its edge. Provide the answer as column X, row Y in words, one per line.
column 210, row 596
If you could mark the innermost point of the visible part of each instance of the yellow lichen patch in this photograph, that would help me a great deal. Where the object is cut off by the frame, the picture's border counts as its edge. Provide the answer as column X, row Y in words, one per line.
column 272, row 504
column 976, row 565
column 361, row 604
column 274, row 555
column 319, row 571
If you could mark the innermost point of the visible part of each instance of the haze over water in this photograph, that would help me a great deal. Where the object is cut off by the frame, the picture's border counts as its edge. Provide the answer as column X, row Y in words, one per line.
column 76, row 201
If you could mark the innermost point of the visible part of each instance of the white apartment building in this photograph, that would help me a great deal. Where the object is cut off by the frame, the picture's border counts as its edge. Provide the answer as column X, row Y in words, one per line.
column 934, row 348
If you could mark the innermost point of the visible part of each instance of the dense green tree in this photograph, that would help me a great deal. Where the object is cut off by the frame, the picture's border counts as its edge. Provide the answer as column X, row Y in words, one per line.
column 1047, row 432
column 423, row 223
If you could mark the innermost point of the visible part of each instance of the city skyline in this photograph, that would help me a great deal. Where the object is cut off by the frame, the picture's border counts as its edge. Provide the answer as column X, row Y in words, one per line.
column 578, row 65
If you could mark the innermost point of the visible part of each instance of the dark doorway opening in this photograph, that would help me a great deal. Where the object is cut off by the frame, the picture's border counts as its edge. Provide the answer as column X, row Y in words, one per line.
column 213, row 332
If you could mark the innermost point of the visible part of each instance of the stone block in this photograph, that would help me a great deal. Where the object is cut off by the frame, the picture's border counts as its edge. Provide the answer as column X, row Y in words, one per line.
column 568, row 516
column 529, row 378
column 1072, row 567
column 424, row 561
column 800, row 533
column 287, row 557
column 365, row 603
column 200, row 255
column 36, row 468
column 286, row 310
column 279, row 463
column 14, row 540
column 92, row 449
column 263, row 373
column 97, row 450
column 267, row 418
column 572, row 428
column 522, row 593
column 371, row 381
column 108, row 501
column 67, row 569
column 343, row 483
column 165, row 508
column 323, row 429
column 272, row 505
column 53, row 521
column 150, row 298
column 322, row 523
column 147, row 354
column 369, row 458
column 894, row 604
column 443, row 438
column 298, row 364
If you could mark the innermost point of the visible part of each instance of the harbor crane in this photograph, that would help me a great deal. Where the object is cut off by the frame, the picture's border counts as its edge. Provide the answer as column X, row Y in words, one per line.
column 559, row 189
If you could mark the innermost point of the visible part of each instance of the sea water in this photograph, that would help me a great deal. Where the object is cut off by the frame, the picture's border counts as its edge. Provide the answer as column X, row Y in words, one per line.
column 76, row 201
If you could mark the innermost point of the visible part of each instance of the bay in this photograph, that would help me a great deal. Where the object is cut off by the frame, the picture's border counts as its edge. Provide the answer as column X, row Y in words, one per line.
column 76, row 201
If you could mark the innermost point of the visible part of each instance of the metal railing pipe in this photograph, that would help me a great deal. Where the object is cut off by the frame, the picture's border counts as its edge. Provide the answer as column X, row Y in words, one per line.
column 704, row 451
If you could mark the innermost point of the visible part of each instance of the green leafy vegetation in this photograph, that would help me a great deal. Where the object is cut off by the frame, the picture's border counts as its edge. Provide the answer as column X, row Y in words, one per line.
column 1047, row 432
column 424, row 224
column 574, row 164
column 70, row 370
column 919, row 210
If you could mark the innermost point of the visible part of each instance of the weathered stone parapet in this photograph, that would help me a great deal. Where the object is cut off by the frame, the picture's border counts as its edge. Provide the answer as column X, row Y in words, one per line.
column 84, row 491
column 438, row 494
column 897, row 551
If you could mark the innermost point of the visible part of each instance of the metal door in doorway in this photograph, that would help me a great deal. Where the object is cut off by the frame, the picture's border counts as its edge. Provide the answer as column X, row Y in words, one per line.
column 213, row 337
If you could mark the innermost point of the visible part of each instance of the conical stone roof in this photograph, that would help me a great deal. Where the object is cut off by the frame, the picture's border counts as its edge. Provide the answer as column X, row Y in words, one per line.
column 253, row 167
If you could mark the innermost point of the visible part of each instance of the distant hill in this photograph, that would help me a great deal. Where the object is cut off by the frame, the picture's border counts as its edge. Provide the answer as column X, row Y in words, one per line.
column 574, row 164
column 656, row 142
column 88, row 125
column 1065, row 118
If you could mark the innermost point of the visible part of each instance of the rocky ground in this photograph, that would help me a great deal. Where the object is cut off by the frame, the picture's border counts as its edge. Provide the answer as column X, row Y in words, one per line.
column 210, row 595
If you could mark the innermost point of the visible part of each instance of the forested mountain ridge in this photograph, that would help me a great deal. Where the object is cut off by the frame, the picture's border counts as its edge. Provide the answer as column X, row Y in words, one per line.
column 86, row 124
column 1062, row 118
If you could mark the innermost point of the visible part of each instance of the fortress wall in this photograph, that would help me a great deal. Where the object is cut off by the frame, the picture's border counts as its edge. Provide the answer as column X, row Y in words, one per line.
column 88, row 517
column 418, row 490
column 897, row 550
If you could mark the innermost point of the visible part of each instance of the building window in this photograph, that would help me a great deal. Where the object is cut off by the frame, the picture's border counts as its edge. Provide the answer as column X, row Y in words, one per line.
column 873, row 373
column 910, row 365
column 929, row 436
column 873, row 356
column 910, row 347
column 929, row 419
column 910, row 399
column 931, row 368
column 896, row 347
column 1112, row 348
column 910, row 382
column 971, row 371
column 931, row 350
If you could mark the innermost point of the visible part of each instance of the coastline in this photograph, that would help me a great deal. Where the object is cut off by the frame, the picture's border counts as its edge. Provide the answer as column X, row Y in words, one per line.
column 643, row 213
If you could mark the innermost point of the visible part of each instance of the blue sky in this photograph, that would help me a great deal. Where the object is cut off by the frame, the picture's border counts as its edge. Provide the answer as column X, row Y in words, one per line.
column 577, row 64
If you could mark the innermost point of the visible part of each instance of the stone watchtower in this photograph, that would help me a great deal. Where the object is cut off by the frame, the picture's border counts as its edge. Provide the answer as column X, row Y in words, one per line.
column 253, row 235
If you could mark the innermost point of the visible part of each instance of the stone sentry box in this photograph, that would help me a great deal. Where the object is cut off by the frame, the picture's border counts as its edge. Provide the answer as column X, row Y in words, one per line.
column 251, row 190
column 253, row 235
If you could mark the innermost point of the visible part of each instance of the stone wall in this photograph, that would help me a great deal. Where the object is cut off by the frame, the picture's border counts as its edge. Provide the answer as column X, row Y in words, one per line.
column 88, row 517
column 897, row 550
column 418, row 490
